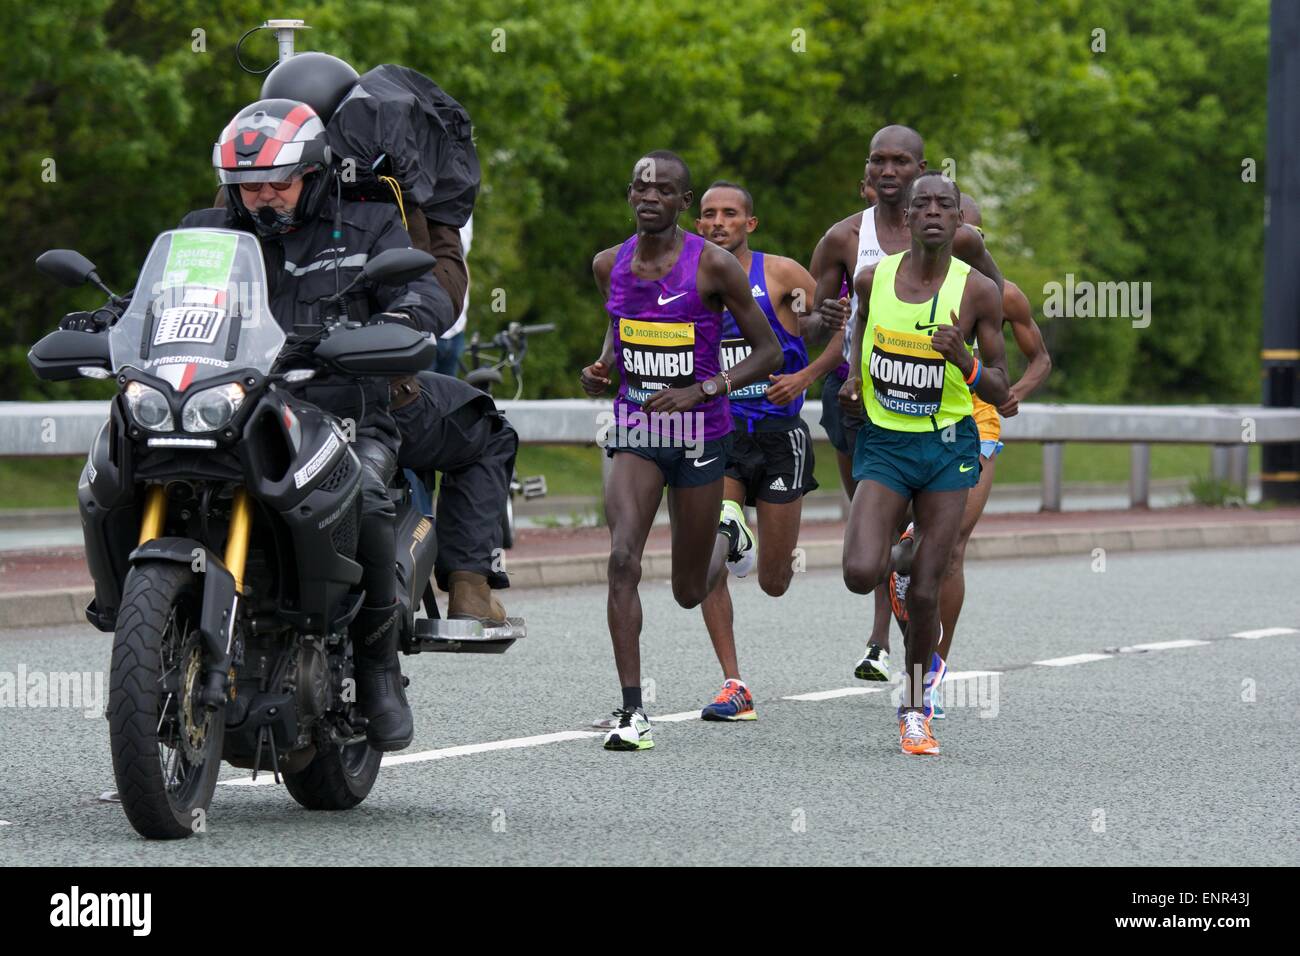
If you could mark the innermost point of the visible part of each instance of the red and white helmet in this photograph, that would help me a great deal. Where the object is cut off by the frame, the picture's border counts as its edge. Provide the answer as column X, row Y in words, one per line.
column 271, row 141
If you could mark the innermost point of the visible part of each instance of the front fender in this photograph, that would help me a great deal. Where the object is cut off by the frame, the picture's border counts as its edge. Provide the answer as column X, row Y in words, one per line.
column 220, row 605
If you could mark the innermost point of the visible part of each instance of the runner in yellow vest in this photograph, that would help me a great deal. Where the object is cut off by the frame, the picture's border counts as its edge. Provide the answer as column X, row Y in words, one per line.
column 919, row 309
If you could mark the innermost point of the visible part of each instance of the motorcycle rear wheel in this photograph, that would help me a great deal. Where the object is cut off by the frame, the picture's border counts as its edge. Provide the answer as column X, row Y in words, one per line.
column 338, row 778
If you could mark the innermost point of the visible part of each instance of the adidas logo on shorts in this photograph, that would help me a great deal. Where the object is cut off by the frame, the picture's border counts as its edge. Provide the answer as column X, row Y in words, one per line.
column 778, row 485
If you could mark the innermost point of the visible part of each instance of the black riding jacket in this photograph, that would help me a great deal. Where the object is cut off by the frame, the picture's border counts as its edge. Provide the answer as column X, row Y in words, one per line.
column 300, row 268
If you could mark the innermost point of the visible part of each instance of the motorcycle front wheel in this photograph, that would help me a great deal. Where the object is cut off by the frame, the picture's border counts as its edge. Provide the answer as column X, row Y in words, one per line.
column 166, row 745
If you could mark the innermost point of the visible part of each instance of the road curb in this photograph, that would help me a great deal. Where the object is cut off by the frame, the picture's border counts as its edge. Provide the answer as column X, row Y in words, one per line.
column 26, row 609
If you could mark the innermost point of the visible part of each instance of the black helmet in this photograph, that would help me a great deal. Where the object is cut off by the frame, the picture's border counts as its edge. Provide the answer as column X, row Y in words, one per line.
column 274, row 141
column 317, row 79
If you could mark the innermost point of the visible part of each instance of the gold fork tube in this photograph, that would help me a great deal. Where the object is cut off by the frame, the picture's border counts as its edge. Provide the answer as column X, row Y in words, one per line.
column 241, row 523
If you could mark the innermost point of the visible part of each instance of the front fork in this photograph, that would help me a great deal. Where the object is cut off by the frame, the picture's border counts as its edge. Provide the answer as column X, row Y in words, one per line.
column 241, row 520
column 221, row 585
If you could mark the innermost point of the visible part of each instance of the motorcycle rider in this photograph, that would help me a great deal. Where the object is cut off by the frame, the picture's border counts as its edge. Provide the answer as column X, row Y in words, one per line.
column 275, row 166
column 274, row 162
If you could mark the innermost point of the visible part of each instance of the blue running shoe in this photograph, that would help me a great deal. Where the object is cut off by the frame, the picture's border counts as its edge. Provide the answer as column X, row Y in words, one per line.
column 732, row 703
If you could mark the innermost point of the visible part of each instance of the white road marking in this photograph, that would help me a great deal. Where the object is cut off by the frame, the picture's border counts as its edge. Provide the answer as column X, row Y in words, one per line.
column 5, row 823
column 1162, row 646
column 515, row 743
column 1074, row 659
column 266, row 777
column 839, row 692
column 1266, row 632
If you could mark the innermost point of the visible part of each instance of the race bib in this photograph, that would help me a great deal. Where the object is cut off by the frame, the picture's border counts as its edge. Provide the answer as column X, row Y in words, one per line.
column 906, row 372
column 735, row 351
column 655, row 356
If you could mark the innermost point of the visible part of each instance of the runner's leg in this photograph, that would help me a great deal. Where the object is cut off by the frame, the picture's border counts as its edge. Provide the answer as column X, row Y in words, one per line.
column 939, row 513
column 952, row 592
column 718, row 613
column 632, row 494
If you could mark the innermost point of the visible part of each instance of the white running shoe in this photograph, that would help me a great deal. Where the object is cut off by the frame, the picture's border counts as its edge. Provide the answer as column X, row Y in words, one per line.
column 874, row 664
column 632, row 732
column 740, row 561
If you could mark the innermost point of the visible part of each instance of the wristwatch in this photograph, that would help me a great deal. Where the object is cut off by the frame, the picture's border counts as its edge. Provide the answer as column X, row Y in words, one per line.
column 710, row 388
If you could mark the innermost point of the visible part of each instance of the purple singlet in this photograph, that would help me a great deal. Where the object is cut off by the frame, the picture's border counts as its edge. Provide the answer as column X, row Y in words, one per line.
column 665, row 337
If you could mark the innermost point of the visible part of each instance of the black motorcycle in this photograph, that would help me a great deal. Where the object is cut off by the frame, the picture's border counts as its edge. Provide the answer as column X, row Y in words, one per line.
column 221, row 516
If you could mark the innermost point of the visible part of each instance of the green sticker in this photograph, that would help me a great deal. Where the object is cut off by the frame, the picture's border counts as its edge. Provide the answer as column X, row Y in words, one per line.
column 199, row 257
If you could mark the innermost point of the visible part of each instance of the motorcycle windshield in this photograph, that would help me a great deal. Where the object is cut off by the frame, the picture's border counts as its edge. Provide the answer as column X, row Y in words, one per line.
column 200, row 309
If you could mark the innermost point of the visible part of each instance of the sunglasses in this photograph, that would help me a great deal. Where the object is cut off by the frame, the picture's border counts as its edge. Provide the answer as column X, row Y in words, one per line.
column 257, row 187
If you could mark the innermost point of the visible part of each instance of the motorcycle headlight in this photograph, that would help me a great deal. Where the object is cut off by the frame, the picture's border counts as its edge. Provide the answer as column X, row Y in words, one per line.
column 149, row 407
column 212, row 408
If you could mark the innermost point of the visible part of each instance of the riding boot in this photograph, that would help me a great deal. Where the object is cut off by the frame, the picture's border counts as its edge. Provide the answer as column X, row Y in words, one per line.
column 380, row 687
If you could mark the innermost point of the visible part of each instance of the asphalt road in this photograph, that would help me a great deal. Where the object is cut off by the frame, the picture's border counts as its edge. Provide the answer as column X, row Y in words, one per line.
column 1176, row 755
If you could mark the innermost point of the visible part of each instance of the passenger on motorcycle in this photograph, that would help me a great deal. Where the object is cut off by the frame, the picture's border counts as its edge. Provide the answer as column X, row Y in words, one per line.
column 275, row 166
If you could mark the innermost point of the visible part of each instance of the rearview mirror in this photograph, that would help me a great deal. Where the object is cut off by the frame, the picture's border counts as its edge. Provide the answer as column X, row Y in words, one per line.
column 66, row 266
column 398, row 266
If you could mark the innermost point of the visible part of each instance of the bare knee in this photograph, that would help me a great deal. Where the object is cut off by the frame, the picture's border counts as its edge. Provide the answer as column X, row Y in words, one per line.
column 689, row 594
column 775, row 581
column 922, row 598
column 862, row 574
column 957, row 560
column 624, row 568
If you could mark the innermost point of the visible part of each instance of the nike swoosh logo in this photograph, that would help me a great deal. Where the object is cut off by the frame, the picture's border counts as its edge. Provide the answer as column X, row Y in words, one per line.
column 964, row 469
column 663, row 301
column 925, row 328
column 701, row 464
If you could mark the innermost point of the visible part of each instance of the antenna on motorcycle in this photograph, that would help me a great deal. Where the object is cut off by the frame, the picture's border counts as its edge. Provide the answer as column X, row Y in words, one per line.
column 284, row 31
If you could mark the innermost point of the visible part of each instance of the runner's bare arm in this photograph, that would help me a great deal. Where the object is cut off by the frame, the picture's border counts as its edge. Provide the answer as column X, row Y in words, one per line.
column 722, row 275
column 968, row 246
column 981, row 305
column 850, row 396
column 798, row 290
column 595, row 377
column 829, row 312
column 794, row 291
column 786, row 388
column 1018, row 313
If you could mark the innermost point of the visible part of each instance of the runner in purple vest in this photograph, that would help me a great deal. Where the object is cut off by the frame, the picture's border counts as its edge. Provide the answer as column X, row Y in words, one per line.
column 770, row 458
column 665, row 290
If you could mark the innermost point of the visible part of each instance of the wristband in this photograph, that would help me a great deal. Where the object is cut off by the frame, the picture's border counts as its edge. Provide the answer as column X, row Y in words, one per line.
column 726, row 380
column 975, row 374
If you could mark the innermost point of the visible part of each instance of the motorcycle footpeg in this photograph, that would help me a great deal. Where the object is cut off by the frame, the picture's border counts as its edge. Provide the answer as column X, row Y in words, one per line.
column 533, row 486
column 466, row 637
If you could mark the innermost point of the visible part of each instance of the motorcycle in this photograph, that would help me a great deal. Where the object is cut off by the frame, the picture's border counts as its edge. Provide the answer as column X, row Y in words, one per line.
column 221, row 514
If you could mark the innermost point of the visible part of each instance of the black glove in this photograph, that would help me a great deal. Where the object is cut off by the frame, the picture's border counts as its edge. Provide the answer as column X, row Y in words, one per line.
column 85, row 321
column 400, row 317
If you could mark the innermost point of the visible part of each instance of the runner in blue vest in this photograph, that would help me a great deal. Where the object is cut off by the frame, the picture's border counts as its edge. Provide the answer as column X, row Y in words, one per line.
column 770, row 456
column 665, row 290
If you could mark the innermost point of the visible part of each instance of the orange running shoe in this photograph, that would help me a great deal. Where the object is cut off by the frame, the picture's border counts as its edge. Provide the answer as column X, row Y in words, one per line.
column 914, row 733
column 898, row 583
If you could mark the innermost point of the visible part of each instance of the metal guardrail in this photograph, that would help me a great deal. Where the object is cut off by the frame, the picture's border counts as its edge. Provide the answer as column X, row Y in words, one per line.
column 52, row 429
